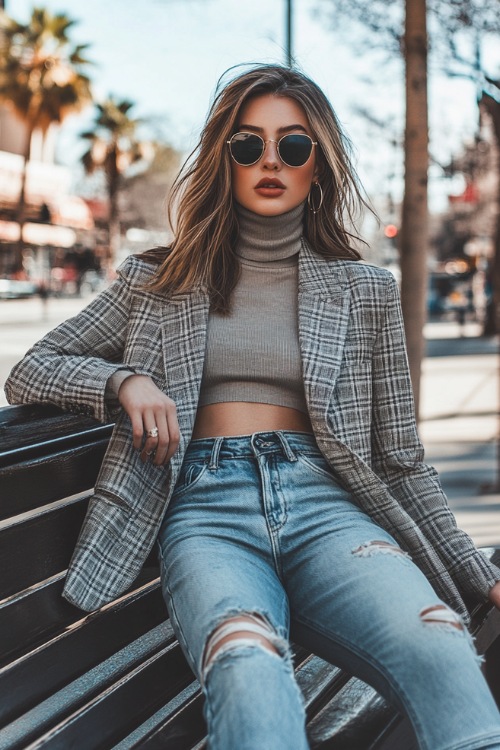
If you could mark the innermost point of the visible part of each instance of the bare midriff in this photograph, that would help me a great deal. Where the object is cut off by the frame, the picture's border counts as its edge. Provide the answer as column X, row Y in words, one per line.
column 232, row 418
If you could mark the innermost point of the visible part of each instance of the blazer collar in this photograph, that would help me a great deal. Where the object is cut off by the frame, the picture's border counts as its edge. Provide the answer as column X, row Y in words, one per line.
column 319, row 275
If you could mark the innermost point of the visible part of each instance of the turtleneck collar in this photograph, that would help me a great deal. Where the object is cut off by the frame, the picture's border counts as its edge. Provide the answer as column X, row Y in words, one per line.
column 270, row 239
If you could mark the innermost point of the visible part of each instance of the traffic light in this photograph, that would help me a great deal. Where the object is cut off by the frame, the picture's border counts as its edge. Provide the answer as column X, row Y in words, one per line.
column 390, row 231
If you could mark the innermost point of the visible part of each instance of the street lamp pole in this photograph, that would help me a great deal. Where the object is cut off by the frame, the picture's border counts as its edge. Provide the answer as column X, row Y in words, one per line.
column 289, row 54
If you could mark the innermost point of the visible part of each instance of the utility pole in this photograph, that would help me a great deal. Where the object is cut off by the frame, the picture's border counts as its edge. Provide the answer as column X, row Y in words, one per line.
column 289, row 53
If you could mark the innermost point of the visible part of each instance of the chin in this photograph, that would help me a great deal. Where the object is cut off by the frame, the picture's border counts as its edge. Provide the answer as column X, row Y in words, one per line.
column 269, row 207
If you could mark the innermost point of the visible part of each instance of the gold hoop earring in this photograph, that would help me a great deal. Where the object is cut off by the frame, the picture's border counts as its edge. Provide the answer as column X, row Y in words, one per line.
column 312, row 207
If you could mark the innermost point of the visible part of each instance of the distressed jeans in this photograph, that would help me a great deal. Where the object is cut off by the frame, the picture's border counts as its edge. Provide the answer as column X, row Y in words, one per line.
column 260, row 526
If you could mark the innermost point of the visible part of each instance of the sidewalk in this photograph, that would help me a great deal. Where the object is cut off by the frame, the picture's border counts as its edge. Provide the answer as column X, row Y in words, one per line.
column 459, row 423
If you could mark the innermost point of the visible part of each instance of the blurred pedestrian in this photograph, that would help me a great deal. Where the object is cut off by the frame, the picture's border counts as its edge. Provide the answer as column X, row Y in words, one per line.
column 43, row 293
column 265, row 436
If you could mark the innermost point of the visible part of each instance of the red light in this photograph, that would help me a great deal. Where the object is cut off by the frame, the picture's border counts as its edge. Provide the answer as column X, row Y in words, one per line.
column 390, row 231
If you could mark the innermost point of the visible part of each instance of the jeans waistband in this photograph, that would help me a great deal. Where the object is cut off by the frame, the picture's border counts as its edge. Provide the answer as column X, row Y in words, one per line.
column 286, row 442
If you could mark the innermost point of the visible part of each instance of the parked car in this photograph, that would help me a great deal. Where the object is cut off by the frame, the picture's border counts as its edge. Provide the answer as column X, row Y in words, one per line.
column 17, row 289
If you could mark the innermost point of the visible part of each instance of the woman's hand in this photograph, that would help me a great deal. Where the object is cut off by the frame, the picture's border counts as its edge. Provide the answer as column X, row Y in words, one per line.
column 149, row 408
column 494, row 595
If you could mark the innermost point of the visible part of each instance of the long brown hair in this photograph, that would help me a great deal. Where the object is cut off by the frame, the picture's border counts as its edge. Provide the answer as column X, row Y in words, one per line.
column 206, row 229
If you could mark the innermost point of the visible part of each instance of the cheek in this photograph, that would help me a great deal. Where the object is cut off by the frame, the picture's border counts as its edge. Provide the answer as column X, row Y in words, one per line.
column 306, row 178
column 239, row 179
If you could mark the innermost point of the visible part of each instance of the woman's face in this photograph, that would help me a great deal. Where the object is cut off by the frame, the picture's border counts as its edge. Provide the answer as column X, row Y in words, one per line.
column 270, row 187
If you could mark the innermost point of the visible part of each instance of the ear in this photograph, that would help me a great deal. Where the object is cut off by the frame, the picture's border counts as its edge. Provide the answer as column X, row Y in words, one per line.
column 318, row 168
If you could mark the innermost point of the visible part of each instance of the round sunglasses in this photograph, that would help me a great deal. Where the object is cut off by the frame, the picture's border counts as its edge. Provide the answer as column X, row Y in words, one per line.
column 294, row 149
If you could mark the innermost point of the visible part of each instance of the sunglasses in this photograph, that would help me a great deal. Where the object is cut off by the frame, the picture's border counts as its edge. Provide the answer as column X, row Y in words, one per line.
column 294, row 150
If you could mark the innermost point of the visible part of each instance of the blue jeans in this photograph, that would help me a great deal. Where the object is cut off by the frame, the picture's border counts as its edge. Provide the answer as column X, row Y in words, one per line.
column 260, row 525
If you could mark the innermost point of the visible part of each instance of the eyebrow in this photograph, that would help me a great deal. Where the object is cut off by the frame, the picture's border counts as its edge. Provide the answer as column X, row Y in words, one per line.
column 284, row 129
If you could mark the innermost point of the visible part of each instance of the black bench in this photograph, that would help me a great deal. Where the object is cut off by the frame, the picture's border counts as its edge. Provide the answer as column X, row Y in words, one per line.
column 117, row 678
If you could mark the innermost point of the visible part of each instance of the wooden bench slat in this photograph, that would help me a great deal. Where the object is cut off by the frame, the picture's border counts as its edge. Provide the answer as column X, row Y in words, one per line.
column 178, row 724
column 34, row 430
column 114, row 712
column 354, row 717
column 39, row 481
column 40, row 546
column 75, row 697
column 34, row 615
column 35, row 676
column 40, row 613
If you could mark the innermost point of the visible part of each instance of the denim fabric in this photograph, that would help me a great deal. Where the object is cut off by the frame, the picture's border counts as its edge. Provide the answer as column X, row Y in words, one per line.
column 260, row 524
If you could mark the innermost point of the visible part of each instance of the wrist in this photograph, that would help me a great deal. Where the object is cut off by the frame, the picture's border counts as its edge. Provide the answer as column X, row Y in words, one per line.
column 494, row 594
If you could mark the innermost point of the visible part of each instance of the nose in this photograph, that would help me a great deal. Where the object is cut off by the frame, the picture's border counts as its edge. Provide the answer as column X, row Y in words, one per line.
column 270, row 158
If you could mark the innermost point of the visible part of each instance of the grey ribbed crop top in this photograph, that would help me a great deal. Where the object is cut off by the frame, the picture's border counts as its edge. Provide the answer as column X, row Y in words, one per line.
column 253, row 353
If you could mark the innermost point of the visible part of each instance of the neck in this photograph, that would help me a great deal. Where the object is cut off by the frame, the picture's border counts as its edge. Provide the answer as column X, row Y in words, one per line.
column 269, row 239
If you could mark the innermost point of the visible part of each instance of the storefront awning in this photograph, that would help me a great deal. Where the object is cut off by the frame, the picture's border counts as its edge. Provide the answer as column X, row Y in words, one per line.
column 38, row 234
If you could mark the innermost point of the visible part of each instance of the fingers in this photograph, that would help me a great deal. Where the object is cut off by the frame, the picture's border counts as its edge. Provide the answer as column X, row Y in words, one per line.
column 161, row 436
column 153, row 415
column 150, row 435
column 168, row 438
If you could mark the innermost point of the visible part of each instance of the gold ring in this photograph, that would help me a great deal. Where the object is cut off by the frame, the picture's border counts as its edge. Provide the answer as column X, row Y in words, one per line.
column 152, row 433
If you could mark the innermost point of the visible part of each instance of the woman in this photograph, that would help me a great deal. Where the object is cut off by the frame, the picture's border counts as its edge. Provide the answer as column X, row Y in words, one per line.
column 265, row 436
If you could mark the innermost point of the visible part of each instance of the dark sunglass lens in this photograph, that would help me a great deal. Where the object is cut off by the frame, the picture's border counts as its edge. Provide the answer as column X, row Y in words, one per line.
column 246, row 148
column 295, row 149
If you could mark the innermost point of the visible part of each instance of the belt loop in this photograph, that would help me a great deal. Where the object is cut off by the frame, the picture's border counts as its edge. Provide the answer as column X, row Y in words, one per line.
column 214, row 456
column 289, row 453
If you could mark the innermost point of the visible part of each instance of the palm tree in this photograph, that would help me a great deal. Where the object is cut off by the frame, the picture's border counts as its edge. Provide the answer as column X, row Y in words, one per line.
column 113, row 148
column 42, row 79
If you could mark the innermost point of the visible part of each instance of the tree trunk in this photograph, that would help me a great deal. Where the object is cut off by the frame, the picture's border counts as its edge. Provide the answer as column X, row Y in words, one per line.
column 414, row 223
column 113, row 180
column 492, row 325
column 19, row 216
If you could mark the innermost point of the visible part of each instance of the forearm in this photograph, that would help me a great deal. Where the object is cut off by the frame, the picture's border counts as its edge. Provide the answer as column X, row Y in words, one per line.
column 74, row 383
column 71, row 365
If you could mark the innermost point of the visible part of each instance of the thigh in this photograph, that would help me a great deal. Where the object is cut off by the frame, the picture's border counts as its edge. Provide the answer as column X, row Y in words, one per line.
column 359, row 602
column 356, row 598
column 215, row 557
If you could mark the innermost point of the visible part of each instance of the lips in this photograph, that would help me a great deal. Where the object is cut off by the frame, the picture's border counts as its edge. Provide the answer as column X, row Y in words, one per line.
column 270, row 187
column 270, row 182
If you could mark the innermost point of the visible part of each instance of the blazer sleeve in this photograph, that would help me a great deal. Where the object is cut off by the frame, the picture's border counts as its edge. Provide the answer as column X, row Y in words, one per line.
column 398, row 457
column 70, row 366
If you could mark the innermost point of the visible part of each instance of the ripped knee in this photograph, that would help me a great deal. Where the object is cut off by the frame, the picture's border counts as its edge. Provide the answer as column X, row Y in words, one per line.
column 241, row 630
column 379, row 547
column 443, row 616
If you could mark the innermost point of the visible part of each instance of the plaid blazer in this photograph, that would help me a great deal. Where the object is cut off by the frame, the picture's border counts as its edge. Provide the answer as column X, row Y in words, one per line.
column 359, row 398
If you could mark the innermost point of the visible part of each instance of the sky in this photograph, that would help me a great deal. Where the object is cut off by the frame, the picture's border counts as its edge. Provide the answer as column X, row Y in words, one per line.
column 167, row 55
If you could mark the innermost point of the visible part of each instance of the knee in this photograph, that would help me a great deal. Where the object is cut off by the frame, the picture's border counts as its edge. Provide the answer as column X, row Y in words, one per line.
column 242, row 631
column 447, row 621
column 442, row 616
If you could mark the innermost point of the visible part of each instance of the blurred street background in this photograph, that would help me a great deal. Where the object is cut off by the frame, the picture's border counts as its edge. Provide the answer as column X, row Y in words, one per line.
column 97, row 116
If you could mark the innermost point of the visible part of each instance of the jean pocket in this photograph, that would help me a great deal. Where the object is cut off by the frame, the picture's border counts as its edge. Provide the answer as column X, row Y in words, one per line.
column 190, row 474
column 318, row 464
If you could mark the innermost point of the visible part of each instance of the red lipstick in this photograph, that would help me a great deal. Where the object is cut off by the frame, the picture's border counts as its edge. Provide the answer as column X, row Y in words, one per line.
column 270, row 187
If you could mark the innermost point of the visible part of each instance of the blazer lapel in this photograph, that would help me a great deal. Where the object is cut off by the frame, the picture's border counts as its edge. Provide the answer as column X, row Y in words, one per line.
column 324, row 299
column 184, row 333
